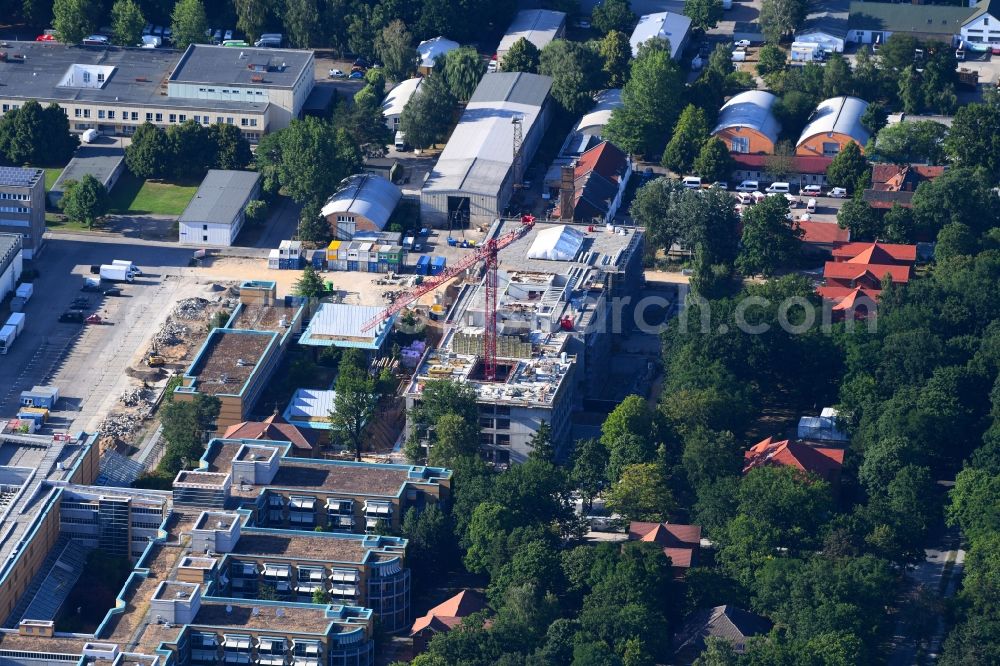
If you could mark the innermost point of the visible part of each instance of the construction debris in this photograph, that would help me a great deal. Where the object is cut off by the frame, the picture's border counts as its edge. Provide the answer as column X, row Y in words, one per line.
column 190, row 308
column 136, row 397
column 171, row 334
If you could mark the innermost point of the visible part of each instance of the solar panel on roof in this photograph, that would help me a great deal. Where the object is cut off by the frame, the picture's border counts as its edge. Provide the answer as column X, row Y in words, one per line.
column 16, row 176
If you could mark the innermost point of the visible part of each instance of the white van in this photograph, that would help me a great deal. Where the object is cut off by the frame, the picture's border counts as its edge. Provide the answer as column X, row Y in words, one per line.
column 778, row 188
column 400, row 143
column 811, row 191
column 811, row 206
column 692, row 182
column 269, row 40
column 89, row 136
column 748, row 186
column 739, row 56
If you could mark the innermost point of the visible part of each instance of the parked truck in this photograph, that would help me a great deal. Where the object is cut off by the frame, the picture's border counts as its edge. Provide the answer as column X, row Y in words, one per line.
column 113, row 273
column 10, row 331
column 21, row 297
column 132, row 268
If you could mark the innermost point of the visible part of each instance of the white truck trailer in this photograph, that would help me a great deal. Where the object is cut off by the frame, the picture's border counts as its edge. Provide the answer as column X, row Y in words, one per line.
column 113, row 273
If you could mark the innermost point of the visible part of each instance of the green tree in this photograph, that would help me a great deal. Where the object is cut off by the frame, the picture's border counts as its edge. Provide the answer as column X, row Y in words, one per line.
column 714, row 163
column 463, row 69
column 576, row 72
column 837, row 79
column 955, row 240
column 251, row 17
column 148, row 156
column 849, row 168
column 85, row 201
column 188, row 23
column 186, row 426
column 704, row 14
column 590, row 464
column 975, row 504
column 255, row 212
column 862, row 220
column 313, row 227
column 613, row 15
column 641, row 493
column 875, row 116
column 522, row 56
column 709, row 455
column 616, row 52
column 427, row 117
column 974, row 138
column 430, row 550
column 192, row 151
column 957, row 195
column 770, row 240
column 771, row 59
column 651, row 102
column 455, row 439
column 310, row 285
column 31, row 134
column 320, row 596
column 127, row 22
column 394, row 45
column 302, row 21
column 308, row 158
column 905, row 143
column 780, row 17
column 232, row 150
column 73, row 19
column 718, row 652
column 690, row 132
column 910, row 90
column 366, row 124
column 632, row 416
column 353, row 405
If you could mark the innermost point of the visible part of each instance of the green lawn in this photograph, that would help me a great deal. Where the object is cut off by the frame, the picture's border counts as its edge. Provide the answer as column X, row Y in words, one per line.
column 51, row 176
column 135, row 196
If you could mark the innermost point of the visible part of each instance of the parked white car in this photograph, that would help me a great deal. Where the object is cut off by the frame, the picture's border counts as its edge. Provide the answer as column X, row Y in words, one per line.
column 742, row 44
column 778, row 188
column 811, row 190
column 837, row 193
column 748, row 186
column 337, row 74
column 692, row 182
column 745, row 198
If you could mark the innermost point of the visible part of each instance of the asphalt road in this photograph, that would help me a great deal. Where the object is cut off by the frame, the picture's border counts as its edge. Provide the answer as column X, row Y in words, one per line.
column 87, row 362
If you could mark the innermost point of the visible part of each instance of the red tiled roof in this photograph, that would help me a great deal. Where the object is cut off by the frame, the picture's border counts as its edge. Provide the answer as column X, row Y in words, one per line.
column 836, row 292
column 824, row 232
column 833, row 270
column 876, row 253
column 900, row 177
column 272, row 428
column 822, row 461
column 810, row 164
column 605, row 159
column 449, row 614
column 681, row 543
column 680, row 557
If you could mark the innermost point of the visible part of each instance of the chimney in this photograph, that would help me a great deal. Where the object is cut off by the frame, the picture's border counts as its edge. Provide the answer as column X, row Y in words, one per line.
column 567, row 191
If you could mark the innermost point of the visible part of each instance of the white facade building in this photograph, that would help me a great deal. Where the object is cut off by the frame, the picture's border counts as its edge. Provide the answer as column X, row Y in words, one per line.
column 216, row 214
column 664, row 25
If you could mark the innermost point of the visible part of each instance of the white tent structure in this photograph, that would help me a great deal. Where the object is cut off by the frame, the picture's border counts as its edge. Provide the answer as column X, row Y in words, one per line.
column 560, row 243
column 430, row 49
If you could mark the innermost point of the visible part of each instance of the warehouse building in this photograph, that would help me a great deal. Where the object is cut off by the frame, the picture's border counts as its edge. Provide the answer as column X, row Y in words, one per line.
column 22, row 206
column 364, row 202
column 11, row 263
column 538, row 26
column 474, row 177
column 105, row 163
column 835, row 123
column 747, row 124
column 672, row 27
column 114, row 90
column 217, row 212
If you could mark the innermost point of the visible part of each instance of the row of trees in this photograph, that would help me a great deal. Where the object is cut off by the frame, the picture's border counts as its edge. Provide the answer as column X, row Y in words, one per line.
column 186, row 151
column 35, row 135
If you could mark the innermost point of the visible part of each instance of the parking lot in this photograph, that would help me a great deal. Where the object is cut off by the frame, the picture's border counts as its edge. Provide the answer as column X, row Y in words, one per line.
column 88, row 362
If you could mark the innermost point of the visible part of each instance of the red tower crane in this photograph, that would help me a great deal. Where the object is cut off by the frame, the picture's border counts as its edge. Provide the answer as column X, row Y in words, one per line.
column 487, row 253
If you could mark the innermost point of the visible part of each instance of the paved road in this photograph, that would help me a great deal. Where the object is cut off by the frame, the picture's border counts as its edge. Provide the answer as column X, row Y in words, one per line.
column 938, row 574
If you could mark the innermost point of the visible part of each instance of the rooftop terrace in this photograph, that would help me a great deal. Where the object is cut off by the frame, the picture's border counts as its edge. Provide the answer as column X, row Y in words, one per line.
column 283, row 543
column 228, row 359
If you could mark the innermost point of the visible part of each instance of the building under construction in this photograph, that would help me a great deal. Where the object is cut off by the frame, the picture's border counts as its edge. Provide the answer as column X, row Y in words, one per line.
column 557, row 289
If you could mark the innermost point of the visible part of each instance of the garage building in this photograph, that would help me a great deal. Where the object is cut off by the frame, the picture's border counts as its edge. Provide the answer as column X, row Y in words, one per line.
column 538, row 26
column 474, row 177
column 216, row 214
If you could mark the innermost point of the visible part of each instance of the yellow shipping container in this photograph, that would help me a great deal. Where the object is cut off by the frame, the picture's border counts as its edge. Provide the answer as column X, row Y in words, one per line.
column 333, row 246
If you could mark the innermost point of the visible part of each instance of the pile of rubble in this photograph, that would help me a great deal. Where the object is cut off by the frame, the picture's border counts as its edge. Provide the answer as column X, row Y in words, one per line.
column 136, row 397
column 190, row 308
column 171, row 333
column 117, row 428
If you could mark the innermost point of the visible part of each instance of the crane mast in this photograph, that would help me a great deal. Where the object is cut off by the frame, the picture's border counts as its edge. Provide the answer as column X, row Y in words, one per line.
column 486, row 253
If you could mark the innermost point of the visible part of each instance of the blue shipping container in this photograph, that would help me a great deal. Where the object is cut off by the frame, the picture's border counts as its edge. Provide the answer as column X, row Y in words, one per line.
column 352, row 265
column 373, row 267
column 319, row 259
column 437, row 265
column 423, row 264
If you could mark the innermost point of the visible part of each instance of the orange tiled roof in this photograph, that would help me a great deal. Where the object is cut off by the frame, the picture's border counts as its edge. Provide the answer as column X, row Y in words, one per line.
column 824, row 232
column 852, row 271
column 822, row 461
column 876, row 253
column 273, row 428
column 450, row 613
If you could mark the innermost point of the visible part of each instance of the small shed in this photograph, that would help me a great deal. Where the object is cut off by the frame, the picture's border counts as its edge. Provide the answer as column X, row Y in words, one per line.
column 217, row 212
column 105, row 163
column 40, row 396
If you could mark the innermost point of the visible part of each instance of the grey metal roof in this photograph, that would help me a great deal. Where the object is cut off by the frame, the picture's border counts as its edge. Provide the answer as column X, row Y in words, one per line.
column 479, row 153
column 838, row 115
column 9, row 243
column 19, row 177
column 220, row 197
column 397, row 98
column 827, row 16
column 136, row 80
column 365, row 194
column 204, row 63
column 750, row 109
column 101, row 162
column 538, row 26
column 663, row 25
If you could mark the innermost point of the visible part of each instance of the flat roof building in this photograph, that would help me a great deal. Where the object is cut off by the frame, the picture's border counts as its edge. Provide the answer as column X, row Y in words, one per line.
column 663, row 25
column 835, row 123
column 216, row 214
column 341, row 324
column 538, row 26
column 747, row 124
column 105, row 163
column 364, row 202
column 473, row 179
column 22, row 205
column 114, row 90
